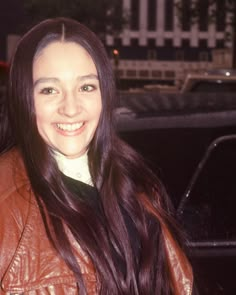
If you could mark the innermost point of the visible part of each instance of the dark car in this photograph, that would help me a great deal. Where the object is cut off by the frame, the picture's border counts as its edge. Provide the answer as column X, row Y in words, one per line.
column 193, row 151
column 207, row 212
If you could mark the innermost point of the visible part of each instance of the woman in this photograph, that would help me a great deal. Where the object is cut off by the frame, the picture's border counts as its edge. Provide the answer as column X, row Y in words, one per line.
column 80, row 213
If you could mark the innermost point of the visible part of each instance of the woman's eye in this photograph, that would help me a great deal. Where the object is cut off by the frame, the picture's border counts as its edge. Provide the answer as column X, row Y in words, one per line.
column 48, row 90
column 87, row 88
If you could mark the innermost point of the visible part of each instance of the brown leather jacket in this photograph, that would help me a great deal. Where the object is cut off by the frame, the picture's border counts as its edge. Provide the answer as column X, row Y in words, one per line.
column 29, row 264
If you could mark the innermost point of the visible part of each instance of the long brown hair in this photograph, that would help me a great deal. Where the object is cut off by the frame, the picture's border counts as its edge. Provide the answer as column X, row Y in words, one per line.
column 119, row 175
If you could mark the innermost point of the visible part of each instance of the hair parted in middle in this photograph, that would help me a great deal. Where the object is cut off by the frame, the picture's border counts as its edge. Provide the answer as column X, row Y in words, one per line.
column 62, row 30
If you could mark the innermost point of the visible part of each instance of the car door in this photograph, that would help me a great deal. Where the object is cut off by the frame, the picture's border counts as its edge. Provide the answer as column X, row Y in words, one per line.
column 207, row 213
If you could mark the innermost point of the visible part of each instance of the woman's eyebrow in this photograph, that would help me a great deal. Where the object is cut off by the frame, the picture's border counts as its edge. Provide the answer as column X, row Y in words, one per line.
column 45, row 80
column 85, row 77
column 56, row 80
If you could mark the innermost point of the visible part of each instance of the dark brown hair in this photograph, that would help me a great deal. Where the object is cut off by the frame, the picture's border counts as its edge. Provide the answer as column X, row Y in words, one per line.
column 119, row 175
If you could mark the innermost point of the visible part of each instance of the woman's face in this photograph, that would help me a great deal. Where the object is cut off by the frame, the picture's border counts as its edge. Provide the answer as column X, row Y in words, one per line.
column 67, row 97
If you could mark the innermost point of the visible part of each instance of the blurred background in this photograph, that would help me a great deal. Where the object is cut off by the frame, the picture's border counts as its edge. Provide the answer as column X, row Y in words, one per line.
column 151, row 43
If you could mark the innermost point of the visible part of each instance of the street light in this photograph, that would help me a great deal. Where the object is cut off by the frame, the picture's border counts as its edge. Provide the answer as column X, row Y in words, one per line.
column 116, row 57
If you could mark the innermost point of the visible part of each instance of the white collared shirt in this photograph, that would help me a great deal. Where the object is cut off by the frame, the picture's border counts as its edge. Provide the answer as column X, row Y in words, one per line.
column 75, row 168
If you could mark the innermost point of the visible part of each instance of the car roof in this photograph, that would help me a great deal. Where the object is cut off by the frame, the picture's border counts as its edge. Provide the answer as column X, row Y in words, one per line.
column 213, row 76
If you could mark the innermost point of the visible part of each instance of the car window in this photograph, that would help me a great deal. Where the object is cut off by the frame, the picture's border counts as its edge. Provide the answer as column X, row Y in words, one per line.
column 208, row 209
column 214, row 86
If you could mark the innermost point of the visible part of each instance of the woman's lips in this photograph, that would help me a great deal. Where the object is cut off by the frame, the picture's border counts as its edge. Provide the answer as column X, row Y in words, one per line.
column 70, row 128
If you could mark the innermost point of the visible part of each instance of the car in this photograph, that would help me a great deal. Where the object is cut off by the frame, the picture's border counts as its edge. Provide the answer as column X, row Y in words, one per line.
column 207, row 212
column 193, row 152
column 221, row 80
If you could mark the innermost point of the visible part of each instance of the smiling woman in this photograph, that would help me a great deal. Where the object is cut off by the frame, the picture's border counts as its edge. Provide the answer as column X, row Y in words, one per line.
column 80, row 212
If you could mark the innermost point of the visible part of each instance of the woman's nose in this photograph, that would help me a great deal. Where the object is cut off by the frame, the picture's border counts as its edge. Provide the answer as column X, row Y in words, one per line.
column 70, row 105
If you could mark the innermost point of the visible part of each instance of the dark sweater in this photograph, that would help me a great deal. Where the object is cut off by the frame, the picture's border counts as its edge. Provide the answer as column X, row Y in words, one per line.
column 89, row 194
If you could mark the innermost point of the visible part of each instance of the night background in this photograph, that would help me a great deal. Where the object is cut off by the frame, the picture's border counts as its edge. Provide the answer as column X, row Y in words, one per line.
column 12, row 19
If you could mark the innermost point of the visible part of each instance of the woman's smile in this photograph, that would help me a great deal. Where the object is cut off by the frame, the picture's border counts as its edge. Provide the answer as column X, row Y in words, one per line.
column 69, row 126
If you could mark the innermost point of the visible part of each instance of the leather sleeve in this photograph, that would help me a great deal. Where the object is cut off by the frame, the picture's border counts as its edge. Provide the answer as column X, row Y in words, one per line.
column 13, row 215
column 14, row 207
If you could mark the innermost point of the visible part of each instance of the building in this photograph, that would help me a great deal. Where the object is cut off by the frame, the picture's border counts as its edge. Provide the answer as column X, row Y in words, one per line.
column 154, row 48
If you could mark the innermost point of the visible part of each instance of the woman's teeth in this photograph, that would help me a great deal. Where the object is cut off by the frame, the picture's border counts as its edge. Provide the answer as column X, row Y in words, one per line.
column 69, row 127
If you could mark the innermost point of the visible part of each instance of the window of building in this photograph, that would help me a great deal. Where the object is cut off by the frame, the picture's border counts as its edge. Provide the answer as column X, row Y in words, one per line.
column 203, row 56
column 120, row 73
column 169, row 43
column 220, row 15
column 117, row 42
column 220, row 43
column 186, row 15
column 185, row 43
column 134, row 18
column 131, row 73
column 151, row 54
column 203, row 14
column 169, row 15
column 156, row 74
column 151, row 17
column 134, row 42
column 203, row 44
column 179, row 55
column 151, row 43
column 169, row 74
column 144, row 73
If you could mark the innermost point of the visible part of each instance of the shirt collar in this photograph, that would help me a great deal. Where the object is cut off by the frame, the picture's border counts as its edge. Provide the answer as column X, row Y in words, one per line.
column 75, row 168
